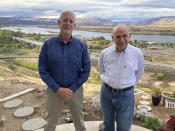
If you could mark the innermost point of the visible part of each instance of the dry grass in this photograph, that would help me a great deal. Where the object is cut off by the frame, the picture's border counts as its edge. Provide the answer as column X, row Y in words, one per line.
column 161, row 30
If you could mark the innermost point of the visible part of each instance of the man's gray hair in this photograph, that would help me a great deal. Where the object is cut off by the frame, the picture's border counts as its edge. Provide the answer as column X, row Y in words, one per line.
column 64, row 12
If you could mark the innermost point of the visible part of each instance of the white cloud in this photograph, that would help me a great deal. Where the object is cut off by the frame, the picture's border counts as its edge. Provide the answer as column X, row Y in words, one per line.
column 124, row 10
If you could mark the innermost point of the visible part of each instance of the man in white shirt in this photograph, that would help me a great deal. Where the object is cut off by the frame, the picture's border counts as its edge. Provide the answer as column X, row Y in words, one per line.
column 121, row 67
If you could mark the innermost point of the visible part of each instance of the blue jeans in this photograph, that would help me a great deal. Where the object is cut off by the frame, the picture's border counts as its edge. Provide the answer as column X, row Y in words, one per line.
column 119, row 107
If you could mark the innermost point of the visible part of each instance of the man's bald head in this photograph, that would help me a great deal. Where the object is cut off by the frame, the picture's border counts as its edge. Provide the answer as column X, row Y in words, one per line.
column 121, row 36
column 119, row 28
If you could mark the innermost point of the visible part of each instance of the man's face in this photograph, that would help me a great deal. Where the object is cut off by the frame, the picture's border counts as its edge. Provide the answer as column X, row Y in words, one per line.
column 67, row 23
column 121, row 38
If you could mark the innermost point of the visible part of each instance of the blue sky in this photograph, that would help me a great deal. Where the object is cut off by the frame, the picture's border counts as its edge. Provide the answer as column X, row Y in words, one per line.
column 115, row 10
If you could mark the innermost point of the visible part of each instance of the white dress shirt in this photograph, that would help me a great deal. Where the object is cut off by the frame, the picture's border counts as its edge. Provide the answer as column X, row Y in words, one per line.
column 121, row 69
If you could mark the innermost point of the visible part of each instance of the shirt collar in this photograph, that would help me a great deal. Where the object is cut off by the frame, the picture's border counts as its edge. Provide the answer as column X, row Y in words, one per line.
column 125, row 51
column 59, row 38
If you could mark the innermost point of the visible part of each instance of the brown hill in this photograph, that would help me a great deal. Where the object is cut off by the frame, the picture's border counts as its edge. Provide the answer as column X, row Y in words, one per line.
column 93, row 22
column 168, row 22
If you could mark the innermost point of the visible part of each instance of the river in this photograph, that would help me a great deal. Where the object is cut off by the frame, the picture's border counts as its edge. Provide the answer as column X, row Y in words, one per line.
column 35, row 29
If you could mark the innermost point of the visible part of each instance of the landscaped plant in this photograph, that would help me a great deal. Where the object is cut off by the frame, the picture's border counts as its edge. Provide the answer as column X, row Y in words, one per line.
column 173, row 95
column 157, row 91
column 152, row 123
column 170, row 125
column 156, row 95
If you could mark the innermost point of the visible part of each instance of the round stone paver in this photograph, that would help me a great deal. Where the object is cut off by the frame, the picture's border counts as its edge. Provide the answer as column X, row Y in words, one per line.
column 144, row 102
column 33, row 124
column 12, row 103
column 144, row 107
column 144, row 97
column 24, row 111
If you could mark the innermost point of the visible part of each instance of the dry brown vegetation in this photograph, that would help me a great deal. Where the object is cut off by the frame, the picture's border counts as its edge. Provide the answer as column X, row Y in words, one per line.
column 148, row 30
column 155, row 30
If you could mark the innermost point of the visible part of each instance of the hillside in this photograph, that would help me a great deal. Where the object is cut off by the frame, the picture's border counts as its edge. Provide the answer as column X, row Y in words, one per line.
column 26, row 21
column 44, row 21
column 168, row 21
column 93, row 22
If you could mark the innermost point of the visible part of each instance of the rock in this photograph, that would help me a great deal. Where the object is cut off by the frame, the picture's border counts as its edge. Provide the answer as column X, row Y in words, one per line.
column 144, row 108
column 140, row 114
column 144, row 102
column 96, row 103
column 145, row 96
column 158, row 83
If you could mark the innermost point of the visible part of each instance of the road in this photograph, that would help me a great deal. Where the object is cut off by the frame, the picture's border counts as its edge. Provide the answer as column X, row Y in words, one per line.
column 29, row 41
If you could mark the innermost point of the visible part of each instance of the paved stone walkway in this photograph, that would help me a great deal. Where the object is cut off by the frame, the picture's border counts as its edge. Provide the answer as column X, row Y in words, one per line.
column 91, row 126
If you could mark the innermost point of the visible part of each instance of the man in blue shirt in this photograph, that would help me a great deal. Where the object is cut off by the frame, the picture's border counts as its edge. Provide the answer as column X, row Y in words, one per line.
column 64, row 65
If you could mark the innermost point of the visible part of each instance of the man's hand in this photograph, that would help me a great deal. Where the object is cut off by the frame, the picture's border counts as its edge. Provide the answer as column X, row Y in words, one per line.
column 64, row 93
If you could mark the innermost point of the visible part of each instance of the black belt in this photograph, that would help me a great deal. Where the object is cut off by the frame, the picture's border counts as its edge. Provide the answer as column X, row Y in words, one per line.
column 118, row 90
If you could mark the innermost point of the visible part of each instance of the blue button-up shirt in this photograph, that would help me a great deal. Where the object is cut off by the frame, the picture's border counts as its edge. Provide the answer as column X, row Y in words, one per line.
column 64, row 64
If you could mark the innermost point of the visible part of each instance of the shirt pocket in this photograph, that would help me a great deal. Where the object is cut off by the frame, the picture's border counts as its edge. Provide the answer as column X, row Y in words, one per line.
column 127, row 71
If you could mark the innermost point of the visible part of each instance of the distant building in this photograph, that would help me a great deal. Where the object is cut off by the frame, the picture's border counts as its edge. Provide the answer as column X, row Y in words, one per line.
column 150, row 42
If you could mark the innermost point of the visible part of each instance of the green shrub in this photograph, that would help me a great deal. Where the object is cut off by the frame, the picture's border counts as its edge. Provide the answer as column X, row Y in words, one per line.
column 149, row 58
column 12, row 67
column 21, row 52
column 159, row 76
column 152, row 123
column 85, row 113
column 26, row 65
column 2, row 73
column 7, row 50
column 66, row 111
